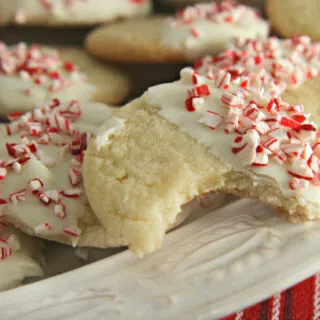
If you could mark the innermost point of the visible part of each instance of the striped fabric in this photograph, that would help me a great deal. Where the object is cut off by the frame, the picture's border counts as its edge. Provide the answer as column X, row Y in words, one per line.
column 301, row 302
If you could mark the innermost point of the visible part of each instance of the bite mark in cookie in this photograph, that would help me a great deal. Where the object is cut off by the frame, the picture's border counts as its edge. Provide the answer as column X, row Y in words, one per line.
column 41, row 174
column 201, row 134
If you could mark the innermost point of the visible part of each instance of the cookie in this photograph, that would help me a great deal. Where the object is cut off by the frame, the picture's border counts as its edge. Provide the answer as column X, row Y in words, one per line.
column 294, row 71
column 195, row 136
column 181, row 3
column 40, row 172
column 192, row 33
column 112, row 86
column 289, row 18
column 18, row 257
column 30, row 74
column 308, row 94
column 272, row 65
column 69, row 12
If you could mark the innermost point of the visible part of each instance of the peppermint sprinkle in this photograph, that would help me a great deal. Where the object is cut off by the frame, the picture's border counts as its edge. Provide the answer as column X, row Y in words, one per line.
column 47, row 136
column 264, row 130
column 38, row 66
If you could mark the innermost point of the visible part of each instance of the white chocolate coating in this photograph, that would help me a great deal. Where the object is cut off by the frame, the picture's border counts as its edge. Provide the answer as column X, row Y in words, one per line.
column 64, row 12
column 21, row 87
column 52, row 164
column 13, row 97
column 209, row 33
column 171, row 100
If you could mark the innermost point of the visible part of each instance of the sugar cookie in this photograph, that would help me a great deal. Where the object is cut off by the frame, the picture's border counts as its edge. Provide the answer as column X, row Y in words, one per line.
column 282, row 66
column 69, row 12
column 40, row 172
column 199, row 135
column 271, row 65
column 32, row 74
column 289, row 18
column 192, row 33
column 18, row 257
column 307, row 94
column 180, row 3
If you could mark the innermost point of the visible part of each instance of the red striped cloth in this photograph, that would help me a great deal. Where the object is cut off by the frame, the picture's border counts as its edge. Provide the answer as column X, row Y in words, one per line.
column 301, row 302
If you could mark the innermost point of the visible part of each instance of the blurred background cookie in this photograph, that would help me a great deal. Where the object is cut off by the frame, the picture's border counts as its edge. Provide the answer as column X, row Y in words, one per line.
column 293, row 17
column 30, row 74
column 69, row 12
column 190, row 34
column 182, row 3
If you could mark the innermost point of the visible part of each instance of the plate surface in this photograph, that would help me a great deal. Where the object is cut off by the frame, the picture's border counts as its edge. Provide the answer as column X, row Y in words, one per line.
column 225, row 261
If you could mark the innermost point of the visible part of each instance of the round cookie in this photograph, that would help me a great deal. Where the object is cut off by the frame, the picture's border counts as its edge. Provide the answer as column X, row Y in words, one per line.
column 191, row 34
column 18, row 257
column 112, row 86
column 180, row 3
column 32, row 73
column 215, row 135
column 40, row 173
column 69, row 12
column 308, row 95
column 291, row 72
column 271, row 65
column 289, row 18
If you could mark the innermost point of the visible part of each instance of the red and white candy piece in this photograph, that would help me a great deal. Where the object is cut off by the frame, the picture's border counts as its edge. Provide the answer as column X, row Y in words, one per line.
column 211, row 119
column 300, row 170
column 42, row 228
column 20, row 195
column 74, row 176
column 60, row 210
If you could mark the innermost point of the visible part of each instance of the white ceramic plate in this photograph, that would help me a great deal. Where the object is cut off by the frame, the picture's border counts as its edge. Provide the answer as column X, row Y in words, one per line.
column 225, row 261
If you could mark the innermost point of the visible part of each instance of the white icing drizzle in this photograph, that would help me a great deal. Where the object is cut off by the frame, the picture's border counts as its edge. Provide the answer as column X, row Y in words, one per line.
column 41, row 162
column 207, row 28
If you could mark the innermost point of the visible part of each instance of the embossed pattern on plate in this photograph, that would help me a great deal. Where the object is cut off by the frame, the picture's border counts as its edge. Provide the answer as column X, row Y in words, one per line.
column 222, row 262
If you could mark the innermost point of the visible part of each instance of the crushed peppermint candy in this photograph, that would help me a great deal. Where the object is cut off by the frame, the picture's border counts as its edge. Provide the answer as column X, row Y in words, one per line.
column 265, row 66
column 39, row 66
column 9, row 242
column 20, row 16
column 264, row 130
column 225, row 12
column 50, row 126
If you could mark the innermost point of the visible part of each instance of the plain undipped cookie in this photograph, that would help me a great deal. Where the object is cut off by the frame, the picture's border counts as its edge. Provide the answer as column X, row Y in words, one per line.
column 192, row 33
column 30, row 74
column 69, row 12
column 294, row 17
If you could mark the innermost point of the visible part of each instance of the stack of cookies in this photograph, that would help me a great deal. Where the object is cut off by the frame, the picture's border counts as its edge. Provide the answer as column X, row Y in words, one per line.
column 240, row 119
